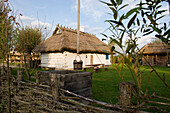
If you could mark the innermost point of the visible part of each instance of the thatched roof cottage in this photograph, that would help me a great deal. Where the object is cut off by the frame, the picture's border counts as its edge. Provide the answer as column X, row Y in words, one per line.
column 156, row 54
column 59, row 50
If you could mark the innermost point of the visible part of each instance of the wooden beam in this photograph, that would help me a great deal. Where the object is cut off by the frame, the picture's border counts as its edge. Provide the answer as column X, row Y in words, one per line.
column 78, row 27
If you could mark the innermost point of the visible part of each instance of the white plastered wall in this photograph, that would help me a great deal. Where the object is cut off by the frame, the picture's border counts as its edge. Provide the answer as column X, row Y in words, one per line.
column 65, row 60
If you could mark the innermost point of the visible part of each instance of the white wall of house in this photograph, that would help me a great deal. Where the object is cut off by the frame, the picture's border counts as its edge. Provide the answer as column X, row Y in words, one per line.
column 65, row 60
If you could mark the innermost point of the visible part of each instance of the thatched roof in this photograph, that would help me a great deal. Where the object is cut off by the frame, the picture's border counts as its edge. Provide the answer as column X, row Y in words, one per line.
column 65, row 39
column 155, row 48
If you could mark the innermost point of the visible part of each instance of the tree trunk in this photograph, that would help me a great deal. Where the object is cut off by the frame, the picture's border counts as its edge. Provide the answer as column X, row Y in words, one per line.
column 26, row 68
column 30, row 61
column 125, row 93
column 21, row 60
column 19, row 75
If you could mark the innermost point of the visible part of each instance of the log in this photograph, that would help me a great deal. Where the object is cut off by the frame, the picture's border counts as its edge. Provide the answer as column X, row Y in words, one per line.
column 55, row 86
column 32, row 84
column 38, row 77
column 125, row 93
column 99, row 110
column 117, row 107
column 19, row 75
column 86, row 92
column 62, row 105
column 35, row 90
column 73, row 86
column 56, row 111
column 155, row 108
column 21, row 101
column 161, row 98
column 161, row 103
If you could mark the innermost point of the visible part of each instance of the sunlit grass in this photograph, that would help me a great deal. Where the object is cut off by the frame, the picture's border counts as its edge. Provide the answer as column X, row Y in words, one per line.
column 105, row 83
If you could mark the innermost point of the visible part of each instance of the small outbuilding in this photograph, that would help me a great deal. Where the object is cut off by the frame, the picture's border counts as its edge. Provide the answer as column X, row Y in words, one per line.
column 156, row 54
column 59, row 51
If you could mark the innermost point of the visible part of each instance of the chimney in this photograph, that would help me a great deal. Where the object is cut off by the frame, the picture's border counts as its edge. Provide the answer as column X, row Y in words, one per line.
column 82, row 28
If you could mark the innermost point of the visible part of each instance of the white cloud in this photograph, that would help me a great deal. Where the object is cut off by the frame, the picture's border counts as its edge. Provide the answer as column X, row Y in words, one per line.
column 30, row 21
column 39, row 23
column 95, row 30
column 87, row 28
column 26, row 20
column 130, row 4
column 92, row 8
column 73, row 25
column 144, row 40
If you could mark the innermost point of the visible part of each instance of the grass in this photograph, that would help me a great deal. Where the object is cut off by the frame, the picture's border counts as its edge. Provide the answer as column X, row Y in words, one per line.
column 14, row 73
column 105, row 83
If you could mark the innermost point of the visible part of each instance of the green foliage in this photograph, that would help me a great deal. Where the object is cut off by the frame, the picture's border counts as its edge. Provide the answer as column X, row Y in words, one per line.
column 7, row 22
column 131, row 21
column 6, row 28
column 150, row 12
column 115, row 59
column 2, row 104
column 28, row 38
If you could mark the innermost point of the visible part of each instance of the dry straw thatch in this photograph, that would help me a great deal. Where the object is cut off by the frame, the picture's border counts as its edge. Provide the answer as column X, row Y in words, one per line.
column 65, row 39
column 155, row 48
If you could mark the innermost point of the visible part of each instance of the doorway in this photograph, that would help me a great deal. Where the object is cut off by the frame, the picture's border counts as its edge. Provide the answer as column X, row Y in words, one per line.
column 91, row 59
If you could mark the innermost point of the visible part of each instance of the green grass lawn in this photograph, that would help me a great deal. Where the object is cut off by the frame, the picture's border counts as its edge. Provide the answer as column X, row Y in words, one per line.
column 32, row 71
column 105, row 83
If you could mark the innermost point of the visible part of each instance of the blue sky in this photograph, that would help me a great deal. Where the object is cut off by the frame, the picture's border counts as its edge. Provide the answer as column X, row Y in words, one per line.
column 52, row 12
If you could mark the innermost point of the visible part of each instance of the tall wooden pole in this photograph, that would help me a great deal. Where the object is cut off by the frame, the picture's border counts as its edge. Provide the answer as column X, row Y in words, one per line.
column 78, row 27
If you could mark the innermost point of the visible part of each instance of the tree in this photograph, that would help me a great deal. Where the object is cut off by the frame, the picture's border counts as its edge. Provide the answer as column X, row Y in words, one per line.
column 6, row 28
column 7, row 21
column 152, row 13
column 125, row 27
column 28, row 38
column 111, row 45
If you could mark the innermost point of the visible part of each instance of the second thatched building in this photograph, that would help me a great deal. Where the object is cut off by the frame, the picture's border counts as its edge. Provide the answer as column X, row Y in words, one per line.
column 59, row 51
column 157, row 54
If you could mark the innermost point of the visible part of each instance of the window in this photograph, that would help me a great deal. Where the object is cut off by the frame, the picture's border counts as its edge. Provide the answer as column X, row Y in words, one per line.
column 107, row 56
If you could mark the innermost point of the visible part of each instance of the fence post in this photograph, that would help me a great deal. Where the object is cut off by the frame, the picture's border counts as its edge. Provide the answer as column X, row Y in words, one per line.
column 125, row 94
column 19, row 75
column 38, row 77
column 55, row 86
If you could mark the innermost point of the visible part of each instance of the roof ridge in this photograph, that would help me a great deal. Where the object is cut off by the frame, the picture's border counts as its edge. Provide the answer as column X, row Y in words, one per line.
column 64, row 28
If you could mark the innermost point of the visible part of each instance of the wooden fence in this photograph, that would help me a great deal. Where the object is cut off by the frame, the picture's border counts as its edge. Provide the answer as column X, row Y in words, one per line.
column 31, row 97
